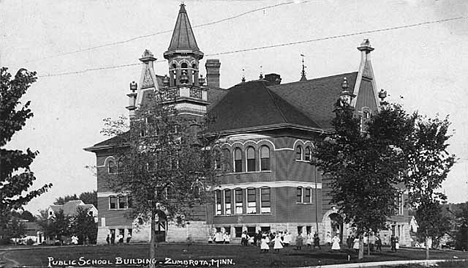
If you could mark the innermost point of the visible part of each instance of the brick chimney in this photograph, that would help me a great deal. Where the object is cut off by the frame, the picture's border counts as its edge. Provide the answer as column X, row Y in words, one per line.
column 273, row 79
column 212, row 72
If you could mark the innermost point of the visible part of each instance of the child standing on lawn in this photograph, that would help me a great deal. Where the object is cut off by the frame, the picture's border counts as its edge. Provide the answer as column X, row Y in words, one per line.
column 264, row 247
column 299, row 241
column 278, row 243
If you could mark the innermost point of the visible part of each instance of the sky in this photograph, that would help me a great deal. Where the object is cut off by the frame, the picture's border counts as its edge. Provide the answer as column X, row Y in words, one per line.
column 86, row 53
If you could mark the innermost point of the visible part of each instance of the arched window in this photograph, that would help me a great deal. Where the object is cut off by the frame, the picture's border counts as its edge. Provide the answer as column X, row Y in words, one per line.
column 264, row 158
column 184, row 65
column 217, row 159
column 227, row 160
column 237, row 160
column 307, row 153
column 111, row 167
column 251, row 159
column 299, row 152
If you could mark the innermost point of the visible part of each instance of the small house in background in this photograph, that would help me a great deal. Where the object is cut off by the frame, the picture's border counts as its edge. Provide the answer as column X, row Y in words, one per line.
column 71, row 207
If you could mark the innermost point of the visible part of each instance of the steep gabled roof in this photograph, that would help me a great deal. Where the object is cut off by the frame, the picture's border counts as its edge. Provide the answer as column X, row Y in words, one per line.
column 183, row 38
column 252, row 105
column 316, row 97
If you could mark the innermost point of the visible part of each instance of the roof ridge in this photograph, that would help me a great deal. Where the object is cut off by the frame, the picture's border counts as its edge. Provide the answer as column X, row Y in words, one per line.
column 275, row 103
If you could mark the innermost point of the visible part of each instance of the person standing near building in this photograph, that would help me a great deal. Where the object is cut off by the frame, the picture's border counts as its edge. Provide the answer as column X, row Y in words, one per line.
column 244, row 238
column 278, row 244
column 356, row 244
column 317, row 241
column 108, row 239
column 299, row 241
column 393, row 243
column 309, row 240
column 336, row 243
column 227, row 238
column 328, row 238
column 264, row 247
column 287, row 239
column 378, row 243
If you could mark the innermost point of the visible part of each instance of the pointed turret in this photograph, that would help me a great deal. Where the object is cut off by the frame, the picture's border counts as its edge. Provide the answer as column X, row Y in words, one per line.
column 183, row 40
column 183, row 54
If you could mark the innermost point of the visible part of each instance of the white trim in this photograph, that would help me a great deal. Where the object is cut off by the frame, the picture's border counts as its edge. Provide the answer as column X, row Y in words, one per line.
column 271, row 184
column 107, row 194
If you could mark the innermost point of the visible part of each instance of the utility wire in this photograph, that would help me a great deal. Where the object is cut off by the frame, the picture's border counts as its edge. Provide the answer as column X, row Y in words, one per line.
column 163, row 32
column 276, row 45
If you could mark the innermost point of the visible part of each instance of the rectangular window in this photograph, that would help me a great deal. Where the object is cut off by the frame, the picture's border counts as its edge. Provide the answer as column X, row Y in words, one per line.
column 307, row 195
column 251, row 201
column 227, row 202
column 401, row 204
column 238, row 231
column 218, row 202
column 251, row 164
column 299, row 195
column 112, row 202
column 265, row 229
column 122, row 202
column 309, row 229
column 239, row 201
column 251, row 230
column 265, row 200
column 265, row 164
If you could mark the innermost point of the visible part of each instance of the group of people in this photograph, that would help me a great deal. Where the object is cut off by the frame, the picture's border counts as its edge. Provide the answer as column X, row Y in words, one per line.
column 220, row 238
column 371, row 240
column 110, row 239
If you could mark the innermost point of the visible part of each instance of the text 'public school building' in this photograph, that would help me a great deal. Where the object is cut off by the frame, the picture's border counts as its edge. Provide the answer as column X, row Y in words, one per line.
column 267, row 129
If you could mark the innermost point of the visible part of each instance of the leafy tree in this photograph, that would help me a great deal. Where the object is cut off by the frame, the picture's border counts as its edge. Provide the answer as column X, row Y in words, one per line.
column 16, row 178
column 428, row 166
column 461, row 226
column 84, row 226
column 164, row 166
column 62, row 200
column 89, row 198
column 55, row 227
column 363, row 162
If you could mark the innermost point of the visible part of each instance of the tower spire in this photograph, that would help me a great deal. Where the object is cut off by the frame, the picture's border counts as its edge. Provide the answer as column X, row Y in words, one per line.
column 303, row 72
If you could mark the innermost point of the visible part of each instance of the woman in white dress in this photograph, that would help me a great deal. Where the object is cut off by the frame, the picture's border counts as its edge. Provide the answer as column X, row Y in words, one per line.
column 309, row 240
column 356, row 244
column 264, row 247
column 336, row 243
column 278, row 243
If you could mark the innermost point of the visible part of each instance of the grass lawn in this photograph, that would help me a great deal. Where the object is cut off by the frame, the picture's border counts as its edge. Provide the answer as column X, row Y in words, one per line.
column 206, row 255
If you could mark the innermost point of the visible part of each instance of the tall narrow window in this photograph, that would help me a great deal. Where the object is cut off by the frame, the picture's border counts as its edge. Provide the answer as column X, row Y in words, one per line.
column 251, row 159
column 227, row 202
column 299, row 152
column 265, row 200
column 264, row 158
column 122, row 202
column 251, row 201
column 239, row 201
column 227, row 160
column 238, row 160
column 112, row 202
column 112, row 168
column 299, row 195
column 307, row 154
column 307, row 195
column 218, row 202
column 217, row 159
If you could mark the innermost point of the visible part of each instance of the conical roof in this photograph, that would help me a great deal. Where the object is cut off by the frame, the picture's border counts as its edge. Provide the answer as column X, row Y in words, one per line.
column 183, row 39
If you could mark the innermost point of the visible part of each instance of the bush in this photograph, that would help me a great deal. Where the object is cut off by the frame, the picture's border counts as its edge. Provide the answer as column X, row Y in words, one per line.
column 6, row 240
column 30, row 242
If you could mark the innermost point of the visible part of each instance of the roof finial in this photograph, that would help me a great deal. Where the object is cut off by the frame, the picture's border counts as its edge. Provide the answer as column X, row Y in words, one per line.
column 243, row 75
column 303, row 72
column 261, row 72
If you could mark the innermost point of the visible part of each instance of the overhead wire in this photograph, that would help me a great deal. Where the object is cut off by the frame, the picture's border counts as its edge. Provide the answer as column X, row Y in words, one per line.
column 163, row 32
column 273, row 46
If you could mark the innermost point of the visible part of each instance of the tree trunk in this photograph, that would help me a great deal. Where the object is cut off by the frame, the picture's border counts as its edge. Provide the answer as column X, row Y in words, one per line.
column 427, row 247
column 152, row 255
column 361, row 248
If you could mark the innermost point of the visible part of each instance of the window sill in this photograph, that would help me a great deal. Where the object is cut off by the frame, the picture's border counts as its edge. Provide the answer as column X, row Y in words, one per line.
column 301, row 203
column 247, row 214
column 118, row 208
column 247, row 172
